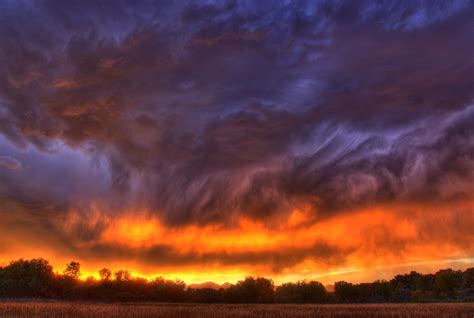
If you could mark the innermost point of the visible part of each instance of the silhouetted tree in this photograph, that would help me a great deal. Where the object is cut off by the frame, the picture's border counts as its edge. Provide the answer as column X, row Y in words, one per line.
column 412, row 287
column 73, row 270
column 345, row 292
column 122, row 275
column 301, row 292
column 105, row 274
column 27, row 278
column 447, row 282
column 468, row 278
column 204, row 295
column 168, row 290
column 376, row 292
column 251, row 290
column 288, row 293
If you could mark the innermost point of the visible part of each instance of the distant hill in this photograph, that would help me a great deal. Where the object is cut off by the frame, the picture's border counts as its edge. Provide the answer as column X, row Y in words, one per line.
column 211, row 285
column 329, row 288
column 215, row 286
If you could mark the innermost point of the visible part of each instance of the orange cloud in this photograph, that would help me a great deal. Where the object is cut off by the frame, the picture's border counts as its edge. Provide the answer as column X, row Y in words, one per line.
column 359, row 245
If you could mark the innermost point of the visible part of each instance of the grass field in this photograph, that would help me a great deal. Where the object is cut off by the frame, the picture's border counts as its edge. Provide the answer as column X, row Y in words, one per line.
column 83, row 310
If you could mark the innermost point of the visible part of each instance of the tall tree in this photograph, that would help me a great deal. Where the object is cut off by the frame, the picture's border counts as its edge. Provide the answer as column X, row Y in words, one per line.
column 73, row 270
column 122, row 275
column 105, row 274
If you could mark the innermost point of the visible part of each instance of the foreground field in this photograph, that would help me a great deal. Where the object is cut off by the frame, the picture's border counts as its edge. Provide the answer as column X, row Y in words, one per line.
column 83, row 310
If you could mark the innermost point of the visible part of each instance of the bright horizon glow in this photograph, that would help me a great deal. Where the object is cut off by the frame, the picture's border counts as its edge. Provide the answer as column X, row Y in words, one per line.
column 328, row 278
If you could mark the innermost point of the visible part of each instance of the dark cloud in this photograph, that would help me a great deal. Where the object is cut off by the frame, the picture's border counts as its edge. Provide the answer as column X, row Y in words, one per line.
column 203, row 112
column 277, row 260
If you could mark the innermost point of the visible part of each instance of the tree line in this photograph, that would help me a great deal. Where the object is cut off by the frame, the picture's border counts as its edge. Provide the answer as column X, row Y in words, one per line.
column 35, row 279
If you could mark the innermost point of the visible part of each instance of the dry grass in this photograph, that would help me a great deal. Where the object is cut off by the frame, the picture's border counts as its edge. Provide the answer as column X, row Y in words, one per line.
column 83, row 310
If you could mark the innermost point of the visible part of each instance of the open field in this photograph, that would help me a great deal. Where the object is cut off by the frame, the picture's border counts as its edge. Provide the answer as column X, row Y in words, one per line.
column 89, row 310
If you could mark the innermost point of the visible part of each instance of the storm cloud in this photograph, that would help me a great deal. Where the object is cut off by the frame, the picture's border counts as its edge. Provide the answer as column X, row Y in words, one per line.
column 204, row 113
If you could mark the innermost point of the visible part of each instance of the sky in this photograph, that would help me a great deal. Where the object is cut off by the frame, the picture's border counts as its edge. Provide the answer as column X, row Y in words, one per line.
column 207, row 141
